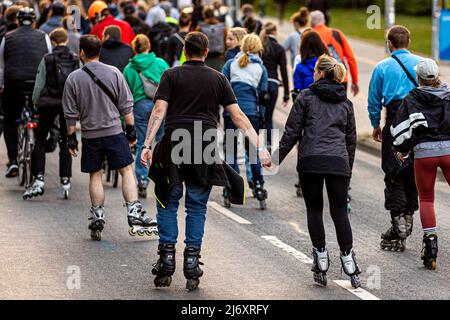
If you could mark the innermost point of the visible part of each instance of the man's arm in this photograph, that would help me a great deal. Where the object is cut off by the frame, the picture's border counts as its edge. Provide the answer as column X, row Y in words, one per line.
column 39, row 84
column 375, row 101
column 2, row 62
column 353, row 65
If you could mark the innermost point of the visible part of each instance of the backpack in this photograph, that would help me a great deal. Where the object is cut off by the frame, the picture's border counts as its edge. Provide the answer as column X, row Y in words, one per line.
column 161, row 43
column 59, row 66
column 215, row 36
column 150, row 87
column 182, row 58
column 332, row 49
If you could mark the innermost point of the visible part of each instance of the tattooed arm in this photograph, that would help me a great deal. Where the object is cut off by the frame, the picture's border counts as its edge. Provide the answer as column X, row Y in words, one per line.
column 154, row 123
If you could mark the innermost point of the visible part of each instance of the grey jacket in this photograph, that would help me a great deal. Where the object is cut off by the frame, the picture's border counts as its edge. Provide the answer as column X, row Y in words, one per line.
column 323, row 121
column 85, row 101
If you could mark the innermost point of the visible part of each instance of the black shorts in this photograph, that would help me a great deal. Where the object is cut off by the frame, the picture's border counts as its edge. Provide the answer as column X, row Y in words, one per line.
column 114, row 148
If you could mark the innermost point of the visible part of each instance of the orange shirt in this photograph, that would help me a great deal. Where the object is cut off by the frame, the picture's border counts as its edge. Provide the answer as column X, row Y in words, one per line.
column 344, row 51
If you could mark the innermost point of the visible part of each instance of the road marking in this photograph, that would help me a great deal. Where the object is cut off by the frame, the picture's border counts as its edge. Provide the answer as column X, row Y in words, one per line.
column 287, row 248
column 360, row 292
column 227, row 213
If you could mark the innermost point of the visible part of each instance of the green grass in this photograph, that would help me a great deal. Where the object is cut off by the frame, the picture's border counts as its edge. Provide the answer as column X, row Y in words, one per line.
column 354, row 23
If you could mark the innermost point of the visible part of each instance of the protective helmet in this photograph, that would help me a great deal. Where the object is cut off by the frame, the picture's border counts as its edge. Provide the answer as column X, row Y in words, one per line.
column 58, row 8
column 96, row 9
column 26, row 16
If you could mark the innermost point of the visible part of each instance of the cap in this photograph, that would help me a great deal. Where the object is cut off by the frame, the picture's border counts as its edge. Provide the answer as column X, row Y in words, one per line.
column 427, row 69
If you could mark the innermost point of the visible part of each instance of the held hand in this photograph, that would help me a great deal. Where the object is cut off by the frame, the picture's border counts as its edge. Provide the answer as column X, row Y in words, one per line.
column 401, row 157
column 376, row 135
column 265, row 158
column 355, row 89
column 146, row 157
column 73, row 152
column 72, row 143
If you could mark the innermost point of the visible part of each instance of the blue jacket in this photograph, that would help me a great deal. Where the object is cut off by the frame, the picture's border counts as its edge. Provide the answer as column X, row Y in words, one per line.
column 304, row 74
column 51, row 24
column 389, row 83
column 247, row 83
column 231, row 53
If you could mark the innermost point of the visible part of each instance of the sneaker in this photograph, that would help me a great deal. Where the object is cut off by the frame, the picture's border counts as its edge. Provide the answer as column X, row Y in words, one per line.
column 13, row 170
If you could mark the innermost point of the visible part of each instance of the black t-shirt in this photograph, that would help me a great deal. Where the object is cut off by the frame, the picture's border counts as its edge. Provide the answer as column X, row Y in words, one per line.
column 194, row 92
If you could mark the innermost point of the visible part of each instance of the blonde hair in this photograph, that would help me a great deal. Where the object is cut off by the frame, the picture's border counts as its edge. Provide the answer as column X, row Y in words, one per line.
column 238, row 33
column 333, row 69
column 435, row 83
column 251, row 44
column 141, row 43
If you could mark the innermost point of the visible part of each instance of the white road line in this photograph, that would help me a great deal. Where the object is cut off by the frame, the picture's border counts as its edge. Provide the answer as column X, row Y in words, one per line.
column 285, row 247
column 360, row 293
column 217, row 207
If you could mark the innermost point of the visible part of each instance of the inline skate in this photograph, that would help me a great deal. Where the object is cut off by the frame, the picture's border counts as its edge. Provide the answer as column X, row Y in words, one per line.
column 430, row 250
column 261, row 196
column 351, row 268
column 164, row 268
column 320, row 266
column 394, row 239
column 36, row 189
column 139, row 222
column 97, row 222
column 226, row 198
column 65, row 187
column 409, row 222
column 191, row 267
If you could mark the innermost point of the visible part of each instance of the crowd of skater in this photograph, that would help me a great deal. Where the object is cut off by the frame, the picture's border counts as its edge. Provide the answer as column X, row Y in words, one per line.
column 134, row 72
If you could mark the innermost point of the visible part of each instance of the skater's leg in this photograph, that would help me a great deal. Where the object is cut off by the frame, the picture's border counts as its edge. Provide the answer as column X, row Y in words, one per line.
column 167, row 216
column 46, row 119
column 141, row 111
column 444, row 164
column 337, row 189
column 312, row 187
column 196, row 204
column 96, row 191
column 129, row 190
column 426, row 171
column 268, row 117
column 65, row 159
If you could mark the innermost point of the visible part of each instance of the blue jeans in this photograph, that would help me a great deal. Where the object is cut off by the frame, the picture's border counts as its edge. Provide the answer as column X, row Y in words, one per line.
column 231, row 155
column 196, row 200
column 142, row 111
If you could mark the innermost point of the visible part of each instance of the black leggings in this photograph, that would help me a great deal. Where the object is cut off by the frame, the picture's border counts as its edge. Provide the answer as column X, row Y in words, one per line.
column 337, row 189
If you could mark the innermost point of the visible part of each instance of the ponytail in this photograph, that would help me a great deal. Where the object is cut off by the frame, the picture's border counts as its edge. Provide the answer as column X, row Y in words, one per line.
column 268, row 29
column 333, row 69
column 251, row 44
column 244, row 60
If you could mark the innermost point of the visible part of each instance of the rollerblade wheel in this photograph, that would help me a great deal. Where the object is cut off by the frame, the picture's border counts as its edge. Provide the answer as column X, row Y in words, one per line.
column 156, row 233
column 192, row 284
column 433, row 265
column 148, row 233
column 349, row 208
column 262, row 204
column 96, row 235
column 163, row 281
column 299, row 193
column 141, row 233
column 131, row 232
column 66, row 195
column 354, row 280
column 321, row 279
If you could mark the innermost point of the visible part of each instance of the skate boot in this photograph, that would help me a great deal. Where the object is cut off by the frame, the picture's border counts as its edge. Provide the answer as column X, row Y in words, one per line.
column 12, row 169
column 430, row 250
column 142, row 189
column 298, row 187
column 320, row 266
column 97, row 222
column 191, row 268
column 351, row 268
column 261, row 196
column 226, row 198
column 409, row 221
column 139, row 222
column 36, row 189
column 65, row 187
column 394, row 239
column 165, row 267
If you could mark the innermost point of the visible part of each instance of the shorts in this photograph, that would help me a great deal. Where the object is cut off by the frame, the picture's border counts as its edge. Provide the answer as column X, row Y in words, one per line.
column 114, row 149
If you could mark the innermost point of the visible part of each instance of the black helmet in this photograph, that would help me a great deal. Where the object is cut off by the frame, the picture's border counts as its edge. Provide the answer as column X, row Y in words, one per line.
column 26, row 16
column 58, row 8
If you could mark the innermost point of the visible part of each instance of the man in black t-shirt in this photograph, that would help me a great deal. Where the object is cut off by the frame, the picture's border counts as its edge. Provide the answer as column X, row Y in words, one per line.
column 189, row 97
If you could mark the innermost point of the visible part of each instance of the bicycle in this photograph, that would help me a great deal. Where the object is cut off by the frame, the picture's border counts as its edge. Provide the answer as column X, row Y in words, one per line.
column 27, row 125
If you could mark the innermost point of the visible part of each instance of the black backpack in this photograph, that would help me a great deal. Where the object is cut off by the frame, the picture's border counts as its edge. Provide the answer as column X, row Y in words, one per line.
column 160, row 43
column 59, row 66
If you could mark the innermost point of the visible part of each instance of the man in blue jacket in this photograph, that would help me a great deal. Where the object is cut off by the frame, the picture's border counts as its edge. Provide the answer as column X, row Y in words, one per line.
column 391, row 81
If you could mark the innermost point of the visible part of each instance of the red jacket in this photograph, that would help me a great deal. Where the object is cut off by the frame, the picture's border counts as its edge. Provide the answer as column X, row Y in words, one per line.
column 345, row 51
column 127, row 31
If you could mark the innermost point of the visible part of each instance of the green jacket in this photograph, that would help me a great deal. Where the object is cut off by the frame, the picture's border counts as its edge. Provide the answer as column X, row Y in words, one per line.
column 151, row 67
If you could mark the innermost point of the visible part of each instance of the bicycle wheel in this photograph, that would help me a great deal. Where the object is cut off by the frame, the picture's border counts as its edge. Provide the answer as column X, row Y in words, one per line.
column 22, row 142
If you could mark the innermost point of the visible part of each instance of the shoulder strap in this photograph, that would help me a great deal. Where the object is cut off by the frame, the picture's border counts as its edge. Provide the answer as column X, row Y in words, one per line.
column 337, row 36
column 410, row 77
column 179, row 38
column 101, row 85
